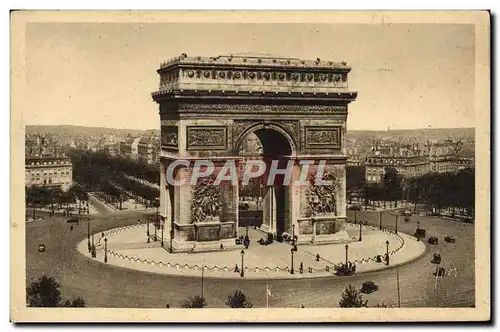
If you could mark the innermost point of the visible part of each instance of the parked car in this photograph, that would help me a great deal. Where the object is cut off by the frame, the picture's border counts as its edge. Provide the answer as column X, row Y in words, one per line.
column 420, row 233
column 369, row 287
column 73, row 221
column 406, row 213
column 436, row 259
column 433, row 240
column 449, row 239
column 41, row 247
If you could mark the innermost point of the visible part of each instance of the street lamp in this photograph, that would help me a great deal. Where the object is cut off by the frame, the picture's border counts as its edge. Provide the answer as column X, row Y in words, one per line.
column 105, row 250
column 171, row 240
column 360, row 227
column 291, row 271
column 387, row 252
column 147, row 231
column 380, row 220
column 293, row 234
column 88, row 234
column 162, row 227
column 246, row 231
column 157, row 204
column 397, row 217
column 156, row 227
column 242, row 274
column 346, row 253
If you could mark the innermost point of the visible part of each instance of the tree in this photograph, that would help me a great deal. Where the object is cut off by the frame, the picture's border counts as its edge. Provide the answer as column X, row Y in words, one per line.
column 76, row 303
column 45, row 293
column 194, row 302
column 352, row 298
column 238, row 300
column 392, row 183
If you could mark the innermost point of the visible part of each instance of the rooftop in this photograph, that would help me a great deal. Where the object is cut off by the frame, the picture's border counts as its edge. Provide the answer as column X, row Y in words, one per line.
column 252, row 59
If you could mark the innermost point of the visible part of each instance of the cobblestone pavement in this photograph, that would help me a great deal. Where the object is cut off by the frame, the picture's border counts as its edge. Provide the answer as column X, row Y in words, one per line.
column 111, row 286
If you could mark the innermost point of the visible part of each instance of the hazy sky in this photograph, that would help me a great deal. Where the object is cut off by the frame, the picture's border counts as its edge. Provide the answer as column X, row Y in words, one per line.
column 102, row 74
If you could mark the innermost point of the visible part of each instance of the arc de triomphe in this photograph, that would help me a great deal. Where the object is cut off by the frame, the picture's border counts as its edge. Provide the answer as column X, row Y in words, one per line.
column 297, row 108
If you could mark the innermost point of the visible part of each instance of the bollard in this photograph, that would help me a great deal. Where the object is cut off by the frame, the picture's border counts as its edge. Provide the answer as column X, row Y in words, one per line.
column 301, row 270
column 310, row 270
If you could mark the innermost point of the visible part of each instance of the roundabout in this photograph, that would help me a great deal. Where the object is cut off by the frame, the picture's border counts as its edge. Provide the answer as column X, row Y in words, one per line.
column 128, row 247
column 106, row 285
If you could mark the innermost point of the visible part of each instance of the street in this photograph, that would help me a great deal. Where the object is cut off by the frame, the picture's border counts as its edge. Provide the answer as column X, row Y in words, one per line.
column 109, row 286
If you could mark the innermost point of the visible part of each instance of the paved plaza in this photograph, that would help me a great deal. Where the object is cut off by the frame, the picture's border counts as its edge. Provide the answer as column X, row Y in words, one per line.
column 128, row 247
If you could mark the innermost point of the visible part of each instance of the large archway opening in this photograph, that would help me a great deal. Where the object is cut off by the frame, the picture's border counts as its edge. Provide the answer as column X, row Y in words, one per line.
column 263, row 204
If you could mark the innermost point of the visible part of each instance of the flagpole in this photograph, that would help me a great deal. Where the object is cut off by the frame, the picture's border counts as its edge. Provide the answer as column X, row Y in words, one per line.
column 399, row 294
column 267, row 296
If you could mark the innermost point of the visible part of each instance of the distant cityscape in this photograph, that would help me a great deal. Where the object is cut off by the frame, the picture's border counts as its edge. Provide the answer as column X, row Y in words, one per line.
column 411, row 152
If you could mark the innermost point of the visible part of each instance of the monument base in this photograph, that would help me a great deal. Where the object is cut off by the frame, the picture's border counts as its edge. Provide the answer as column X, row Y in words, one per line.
column 204, row 236
column 322, row 229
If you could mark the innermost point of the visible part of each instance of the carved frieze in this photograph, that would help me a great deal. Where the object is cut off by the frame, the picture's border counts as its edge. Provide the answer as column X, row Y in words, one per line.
column 321, row 199
column 245, row 108
column 323, row 137
column 205, row 205
column 169, row 136
column 206, row 138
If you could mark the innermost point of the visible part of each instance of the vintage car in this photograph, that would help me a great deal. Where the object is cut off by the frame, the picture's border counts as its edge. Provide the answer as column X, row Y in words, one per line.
column 407, row 213
column 436, row 259
column 433, row 240
column 243, row 206
column 420, row 233
column 368, row 287
column 41, row 247
column 73, row 221
column 449, row 239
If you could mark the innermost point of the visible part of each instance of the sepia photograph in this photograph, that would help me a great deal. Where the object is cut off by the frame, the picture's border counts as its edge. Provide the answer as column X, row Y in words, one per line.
column 300, row 166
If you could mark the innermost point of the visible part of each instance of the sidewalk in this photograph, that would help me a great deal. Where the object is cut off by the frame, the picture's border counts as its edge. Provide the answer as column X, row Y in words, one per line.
column 127, row 248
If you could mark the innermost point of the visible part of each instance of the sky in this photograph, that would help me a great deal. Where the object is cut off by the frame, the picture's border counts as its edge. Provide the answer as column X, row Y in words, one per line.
column 102, row 74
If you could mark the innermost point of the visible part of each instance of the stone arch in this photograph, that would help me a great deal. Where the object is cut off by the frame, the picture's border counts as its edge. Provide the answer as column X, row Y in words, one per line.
column 267, row 126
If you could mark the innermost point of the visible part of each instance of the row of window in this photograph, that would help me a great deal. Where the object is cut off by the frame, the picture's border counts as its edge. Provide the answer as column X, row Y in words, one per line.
column 50, row 173
column 50, row 163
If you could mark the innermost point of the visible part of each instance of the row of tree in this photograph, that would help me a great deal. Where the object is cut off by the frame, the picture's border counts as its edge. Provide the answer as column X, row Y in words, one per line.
column 55, row 197
column 453, row 190
column 102, row 161
column 106, row 175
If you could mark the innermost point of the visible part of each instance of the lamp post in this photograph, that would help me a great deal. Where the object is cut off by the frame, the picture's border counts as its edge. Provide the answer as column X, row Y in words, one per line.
column 346, row 253
column 157, row 204
column 380, row 219
column 387, row 252
column 105, row 250
column 88, row 234
column 293, row 235
column 162, row 227
column 360, row 227
column 147, row 231
column 397, row 217
column 242, row 274
column 171, row 240
column 246, row 231
column 291, row 270
column 156, row 227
